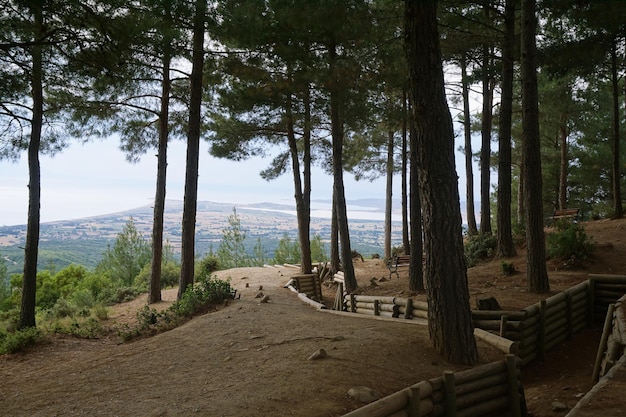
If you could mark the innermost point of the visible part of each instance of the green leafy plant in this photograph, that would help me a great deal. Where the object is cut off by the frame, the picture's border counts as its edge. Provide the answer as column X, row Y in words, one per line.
column 569, row 242
column 479, row 247
column 13, row 342
column 508, row 269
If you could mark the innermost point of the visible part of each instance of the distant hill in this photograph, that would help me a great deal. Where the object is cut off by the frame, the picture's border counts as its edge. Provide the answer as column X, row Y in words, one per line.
column 82, row 241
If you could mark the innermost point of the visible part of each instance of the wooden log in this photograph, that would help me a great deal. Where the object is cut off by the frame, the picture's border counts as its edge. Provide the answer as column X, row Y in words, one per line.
column 556, row 341
column 532, row 310
column 541, row 341
column 606, row 331
column 473, row 374
column 528, row 358
column 372, row 298
column 556, row 307
column 610, row 286
column 408, row 309
column 449, row 393
column 391, row 403
column 580, row 288
column 491, row 407
column 420, row 305
column 478, row 397
column 496, row 324
column 419, row 314
column 513, row 364
column 512, row 315
column 400, row 301
column 481, row 384
column 505, row 345
column 608, row 278
column 582, row 295
column 609, row 294
column 555, row 299
column 555, row 326
column 366, row 311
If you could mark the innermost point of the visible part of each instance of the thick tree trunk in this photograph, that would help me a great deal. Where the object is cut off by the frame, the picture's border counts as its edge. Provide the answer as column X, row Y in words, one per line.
column 335, row 260
column 193, row 153
column 472, row 229
column 336, row 120
column 416, row 266
column 564, row 161
column 450, row 321
column 504, row 229
column 302, row 209
column 406, row 241
column 537, row 274
column 618, row 211
column 485, row 150
column 31, row 250
column 154, row 293
column 389, row 195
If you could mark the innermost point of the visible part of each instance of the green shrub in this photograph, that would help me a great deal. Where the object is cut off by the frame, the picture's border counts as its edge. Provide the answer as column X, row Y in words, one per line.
column 197, row 299
column 100, row 312
column 206, row 266
column 508, row 269
column 13, row 342
column 478, row 247
column 570, row 242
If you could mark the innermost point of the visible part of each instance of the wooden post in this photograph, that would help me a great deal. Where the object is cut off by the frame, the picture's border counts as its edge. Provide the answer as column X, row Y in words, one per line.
column 541, row 343
column 570, row 332
column 414, row 402
column 503, row 322
column 352, row 303
column 606, row 331
column 408, row 312
column 512, row 372
column 376, row 307
column 592, row 290
column 449, row 393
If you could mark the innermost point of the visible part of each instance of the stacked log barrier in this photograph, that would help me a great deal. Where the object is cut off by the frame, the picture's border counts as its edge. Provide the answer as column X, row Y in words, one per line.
column 491, row 389
column 605, row 290
column 393, row 307
column 309, row 284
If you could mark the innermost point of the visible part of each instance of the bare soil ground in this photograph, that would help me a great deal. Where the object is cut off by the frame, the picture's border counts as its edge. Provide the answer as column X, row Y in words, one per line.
column 251, row 358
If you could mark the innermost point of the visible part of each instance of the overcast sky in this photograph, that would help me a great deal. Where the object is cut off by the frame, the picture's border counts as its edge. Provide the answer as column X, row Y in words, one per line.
column 94, row 178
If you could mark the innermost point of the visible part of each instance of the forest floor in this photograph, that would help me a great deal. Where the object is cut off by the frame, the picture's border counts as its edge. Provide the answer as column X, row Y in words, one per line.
column 251, row 358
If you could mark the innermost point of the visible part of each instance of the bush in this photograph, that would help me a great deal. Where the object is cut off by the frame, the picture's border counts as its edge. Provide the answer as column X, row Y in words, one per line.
column 570, row 242
column 206, row 266
column 18, row 341
column 478, row 247
column 170, row 273
column 508, row 269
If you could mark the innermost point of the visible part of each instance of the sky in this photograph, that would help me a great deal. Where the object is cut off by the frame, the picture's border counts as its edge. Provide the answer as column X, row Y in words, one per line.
column 94, row 178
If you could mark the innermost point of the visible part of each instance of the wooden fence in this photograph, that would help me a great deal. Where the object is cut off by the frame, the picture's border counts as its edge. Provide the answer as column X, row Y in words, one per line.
column 536, row 329
column 493, row 389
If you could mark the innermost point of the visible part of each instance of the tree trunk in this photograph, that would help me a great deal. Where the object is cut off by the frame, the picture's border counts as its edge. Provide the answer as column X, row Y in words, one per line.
column 485, row 150
column 154, row 293
column 472, row 229
column 564, row 161
column 31, row 250
column 193, row 153
column 450, row 321
column 302, row 209
column 416, row 266
column 335, row 261
column 617, row 175
column 389, row 195
column 336, row 120
column 537, row 274
column 406, row 241
column 504, row 229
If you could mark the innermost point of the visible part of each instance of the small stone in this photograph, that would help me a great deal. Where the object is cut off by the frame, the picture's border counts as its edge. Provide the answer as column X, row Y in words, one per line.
column 318, row 354
column 364, row 394
column 265, row 299
column 260, row 288
column 247, row 285
column 558, row 406
column 259, row 295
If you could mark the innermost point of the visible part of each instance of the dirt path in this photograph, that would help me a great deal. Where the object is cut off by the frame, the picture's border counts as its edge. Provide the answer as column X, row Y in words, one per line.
column 251, row 359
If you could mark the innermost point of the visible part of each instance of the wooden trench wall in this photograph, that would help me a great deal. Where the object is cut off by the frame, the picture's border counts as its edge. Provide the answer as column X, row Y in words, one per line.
column 494, row 389
column 534, row 330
